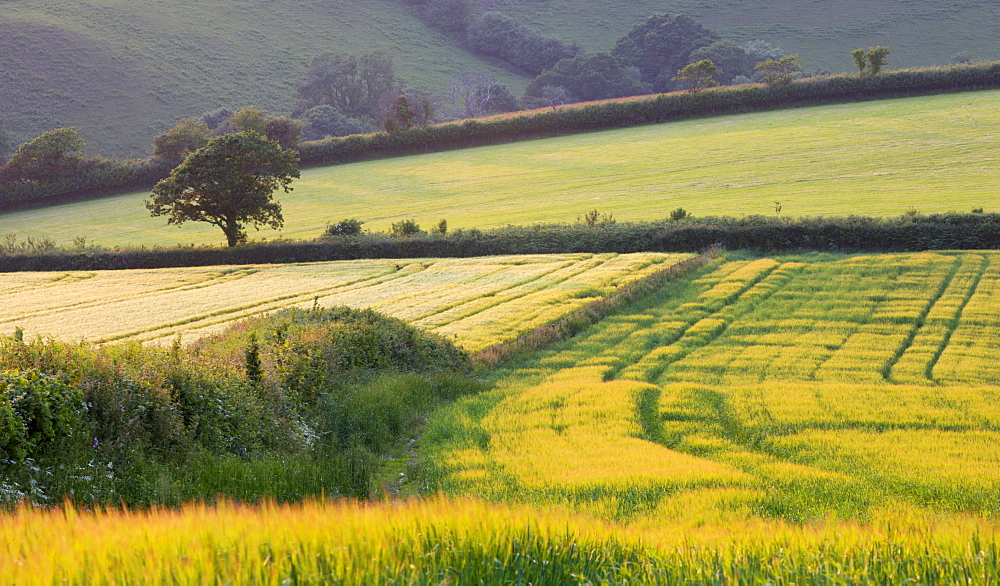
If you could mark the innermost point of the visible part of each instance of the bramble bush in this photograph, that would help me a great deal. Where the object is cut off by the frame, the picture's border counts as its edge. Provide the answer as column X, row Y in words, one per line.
column 332, row 389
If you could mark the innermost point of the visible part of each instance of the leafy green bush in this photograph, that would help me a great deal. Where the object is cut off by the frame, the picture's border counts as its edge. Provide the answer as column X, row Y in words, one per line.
column 345, row 227
column 36, row 410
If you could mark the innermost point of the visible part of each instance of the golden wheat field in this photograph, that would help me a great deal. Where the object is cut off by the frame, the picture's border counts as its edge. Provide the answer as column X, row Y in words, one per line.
column 468, row 300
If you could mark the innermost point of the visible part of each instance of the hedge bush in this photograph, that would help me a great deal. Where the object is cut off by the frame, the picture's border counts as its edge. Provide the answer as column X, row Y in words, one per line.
column 762, row 233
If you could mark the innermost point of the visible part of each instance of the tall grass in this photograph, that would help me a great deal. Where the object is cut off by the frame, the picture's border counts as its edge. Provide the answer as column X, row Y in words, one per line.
column 466, row 541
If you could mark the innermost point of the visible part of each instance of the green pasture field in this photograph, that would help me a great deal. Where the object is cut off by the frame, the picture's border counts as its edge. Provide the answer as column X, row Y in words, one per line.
column 922, row 32
column 799, row 388
column 470, row 301
column 881, row 158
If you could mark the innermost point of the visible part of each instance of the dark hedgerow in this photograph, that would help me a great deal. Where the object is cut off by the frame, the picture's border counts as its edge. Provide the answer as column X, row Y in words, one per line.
column 951, row 231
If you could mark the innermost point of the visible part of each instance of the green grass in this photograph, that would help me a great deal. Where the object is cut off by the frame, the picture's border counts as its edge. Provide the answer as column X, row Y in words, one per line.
column 930, row 154
column 121, row 72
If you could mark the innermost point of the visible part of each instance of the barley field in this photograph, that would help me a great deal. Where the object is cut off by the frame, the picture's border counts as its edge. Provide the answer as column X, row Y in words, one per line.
column 462, row 541
column 812, row 418
column 792, row 388
column 884, row 158
column 469, row 300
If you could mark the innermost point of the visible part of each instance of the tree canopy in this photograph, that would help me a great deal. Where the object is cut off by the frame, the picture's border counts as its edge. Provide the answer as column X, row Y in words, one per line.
column 54, row 154
column 593, row 76
column 187, row 136
column 228, row 183
column 698, row 76
column 661, row 46
column 349, row 83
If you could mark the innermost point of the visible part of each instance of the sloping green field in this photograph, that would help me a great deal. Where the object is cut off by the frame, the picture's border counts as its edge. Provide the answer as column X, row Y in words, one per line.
column 931, row 154
column 121, row 72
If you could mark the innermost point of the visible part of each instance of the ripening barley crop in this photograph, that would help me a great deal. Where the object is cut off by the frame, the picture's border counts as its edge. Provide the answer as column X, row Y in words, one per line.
column 469, row 299
column 466, row 541
column 777, row 389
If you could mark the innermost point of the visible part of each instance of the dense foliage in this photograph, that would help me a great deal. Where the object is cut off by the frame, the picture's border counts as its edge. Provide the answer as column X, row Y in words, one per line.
column 506, row 38
column 286, row 405
column 661, row 46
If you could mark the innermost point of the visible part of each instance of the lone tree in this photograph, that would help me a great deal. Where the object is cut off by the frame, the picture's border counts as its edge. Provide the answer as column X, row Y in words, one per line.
column 698, row 76
column 228, row 183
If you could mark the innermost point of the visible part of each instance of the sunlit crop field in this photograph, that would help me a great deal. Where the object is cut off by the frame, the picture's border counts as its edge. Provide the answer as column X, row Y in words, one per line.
column 802, row 419
column 882, row 158
column 444, row 541
column 795, row 388
column 477, row 302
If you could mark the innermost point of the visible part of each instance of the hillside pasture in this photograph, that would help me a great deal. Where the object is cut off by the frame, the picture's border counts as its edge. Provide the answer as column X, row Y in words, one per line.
column 795, row 388
column 883, row 158
column 469, row 300
column 120, row 72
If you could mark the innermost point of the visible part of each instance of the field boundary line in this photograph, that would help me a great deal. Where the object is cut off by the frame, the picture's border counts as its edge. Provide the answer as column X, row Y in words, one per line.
column 498, row 291
column 226, row 276
column 730, row 302
column 501, row 299
column 283, row 300
column 591, row 313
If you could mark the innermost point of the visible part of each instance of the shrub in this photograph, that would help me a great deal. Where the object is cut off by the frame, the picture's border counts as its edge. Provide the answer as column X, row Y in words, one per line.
column 404, row 228
column 345, row 227
column 36, row 411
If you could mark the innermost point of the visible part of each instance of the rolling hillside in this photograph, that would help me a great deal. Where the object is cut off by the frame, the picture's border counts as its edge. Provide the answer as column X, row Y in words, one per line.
column 123, row 72
column 931, row 154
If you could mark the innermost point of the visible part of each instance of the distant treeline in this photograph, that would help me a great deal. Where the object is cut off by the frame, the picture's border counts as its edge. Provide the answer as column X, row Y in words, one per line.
column 847, row 234
column 652, row 110
column 101, row 177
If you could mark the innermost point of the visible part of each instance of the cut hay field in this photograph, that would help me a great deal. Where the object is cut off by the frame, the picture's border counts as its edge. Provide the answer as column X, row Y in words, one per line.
column 471, row 301
column 788, row 388
column 930, row 154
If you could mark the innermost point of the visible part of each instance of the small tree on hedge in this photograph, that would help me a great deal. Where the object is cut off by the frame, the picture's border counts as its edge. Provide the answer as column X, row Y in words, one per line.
column 698, row 76
column 180, row 141
column 228, row 183
column 779, row 71
column 877, row 59
column 872, row 61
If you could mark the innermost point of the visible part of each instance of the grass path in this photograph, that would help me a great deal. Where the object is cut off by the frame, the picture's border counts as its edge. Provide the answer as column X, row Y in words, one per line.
column 932, row 154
